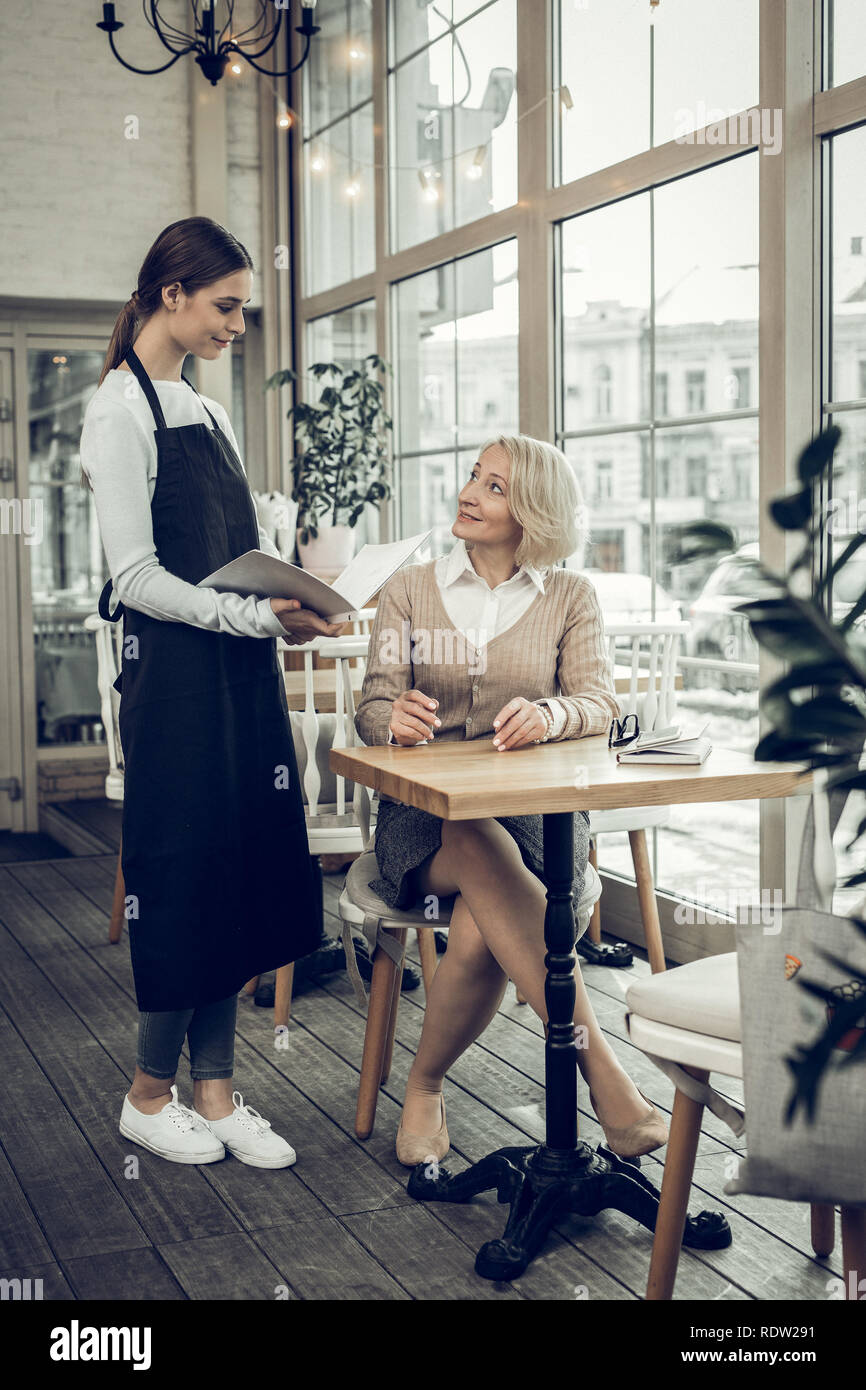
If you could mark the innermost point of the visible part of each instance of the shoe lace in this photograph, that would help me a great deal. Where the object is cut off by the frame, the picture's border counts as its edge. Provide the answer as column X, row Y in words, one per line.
column 180, row 1115
column 247, row 1116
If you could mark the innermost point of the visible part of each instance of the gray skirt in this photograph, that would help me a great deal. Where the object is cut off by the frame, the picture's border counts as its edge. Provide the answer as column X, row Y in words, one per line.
column 406, row 836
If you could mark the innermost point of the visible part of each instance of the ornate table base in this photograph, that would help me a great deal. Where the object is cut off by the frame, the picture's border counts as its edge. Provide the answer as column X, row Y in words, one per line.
column 542, row 1186
column 543, row 1182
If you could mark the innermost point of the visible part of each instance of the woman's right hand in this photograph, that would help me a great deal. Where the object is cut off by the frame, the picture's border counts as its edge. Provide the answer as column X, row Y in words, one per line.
column 302, row 624
column 413, row 716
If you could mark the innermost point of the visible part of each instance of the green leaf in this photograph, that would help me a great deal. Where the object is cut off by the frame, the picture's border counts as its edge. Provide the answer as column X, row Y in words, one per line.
column 817, row 454
column 793, row 512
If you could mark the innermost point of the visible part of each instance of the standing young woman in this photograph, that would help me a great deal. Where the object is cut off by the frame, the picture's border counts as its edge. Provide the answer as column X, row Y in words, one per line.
column 215, row 856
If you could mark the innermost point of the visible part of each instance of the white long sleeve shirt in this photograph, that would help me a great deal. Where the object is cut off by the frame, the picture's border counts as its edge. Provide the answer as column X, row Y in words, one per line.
column 118, row 454
column 481, row 613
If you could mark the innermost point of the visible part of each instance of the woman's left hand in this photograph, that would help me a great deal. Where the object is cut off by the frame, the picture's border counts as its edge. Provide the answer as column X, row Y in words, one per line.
column 518, row 723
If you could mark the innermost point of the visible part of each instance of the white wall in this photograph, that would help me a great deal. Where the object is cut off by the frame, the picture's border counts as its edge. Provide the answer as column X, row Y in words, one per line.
column 82, row 202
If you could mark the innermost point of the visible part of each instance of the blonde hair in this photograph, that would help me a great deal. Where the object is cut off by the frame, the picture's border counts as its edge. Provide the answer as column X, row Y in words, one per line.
column 545, row 498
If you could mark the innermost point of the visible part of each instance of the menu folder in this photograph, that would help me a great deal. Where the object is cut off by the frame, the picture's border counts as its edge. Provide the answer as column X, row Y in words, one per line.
column 267, row 576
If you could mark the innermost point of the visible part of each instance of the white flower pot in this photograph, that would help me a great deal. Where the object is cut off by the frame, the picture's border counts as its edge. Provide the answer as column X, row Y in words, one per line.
column 328, row 554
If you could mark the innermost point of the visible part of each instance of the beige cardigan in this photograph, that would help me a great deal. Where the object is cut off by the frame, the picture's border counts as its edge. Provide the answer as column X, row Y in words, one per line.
column 555, row 649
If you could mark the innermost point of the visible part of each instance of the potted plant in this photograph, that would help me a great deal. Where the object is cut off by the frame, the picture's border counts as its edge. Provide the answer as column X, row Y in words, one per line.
column 803, row 983
column 341, row 458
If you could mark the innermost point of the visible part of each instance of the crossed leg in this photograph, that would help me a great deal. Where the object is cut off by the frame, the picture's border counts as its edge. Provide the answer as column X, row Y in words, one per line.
column 496, row 934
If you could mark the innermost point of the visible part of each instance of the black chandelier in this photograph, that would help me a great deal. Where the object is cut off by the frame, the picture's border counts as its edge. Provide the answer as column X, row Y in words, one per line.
column 214, row 48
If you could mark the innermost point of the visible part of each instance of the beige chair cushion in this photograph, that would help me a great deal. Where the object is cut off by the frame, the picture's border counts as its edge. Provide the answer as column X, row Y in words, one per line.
column 703, row 997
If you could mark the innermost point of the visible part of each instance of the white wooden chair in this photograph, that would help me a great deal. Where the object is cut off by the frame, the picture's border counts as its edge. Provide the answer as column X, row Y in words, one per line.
column 649, row 650
column 331, row 828
column 109, row 648
column 386, row 930
column 688, row 1021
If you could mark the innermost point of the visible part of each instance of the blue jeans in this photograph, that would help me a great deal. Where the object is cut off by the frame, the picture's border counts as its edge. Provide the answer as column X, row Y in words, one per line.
column 211, row 1033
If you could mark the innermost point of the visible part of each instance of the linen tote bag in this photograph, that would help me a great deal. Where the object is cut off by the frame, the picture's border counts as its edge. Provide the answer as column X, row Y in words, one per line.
column 823, row 1160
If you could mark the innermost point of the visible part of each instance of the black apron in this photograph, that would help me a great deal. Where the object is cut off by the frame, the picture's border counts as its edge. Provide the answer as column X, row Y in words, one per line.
column 215, row 856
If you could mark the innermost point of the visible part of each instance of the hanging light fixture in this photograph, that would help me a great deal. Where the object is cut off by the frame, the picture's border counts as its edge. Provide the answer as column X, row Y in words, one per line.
column 216, row 47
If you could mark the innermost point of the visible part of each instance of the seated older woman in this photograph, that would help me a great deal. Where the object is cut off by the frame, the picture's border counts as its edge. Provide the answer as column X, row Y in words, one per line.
column 493, row 641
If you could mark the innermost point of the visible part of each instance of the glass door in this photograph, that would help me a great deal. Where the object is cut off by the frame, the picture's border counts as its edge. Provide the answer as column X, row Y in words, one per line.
column 67, row 567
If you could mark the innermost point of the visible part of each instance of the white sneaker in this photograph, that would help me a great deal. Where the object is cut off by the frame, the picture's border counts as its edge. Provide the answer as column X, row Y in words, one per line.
column 175, row 1132
column 250, row 1138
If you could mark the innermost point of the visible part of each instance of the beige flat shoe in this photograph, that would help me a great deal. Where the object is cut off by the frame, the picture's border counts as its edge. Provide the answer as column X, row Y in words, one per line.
column 413, row 1149
column 631, row 1141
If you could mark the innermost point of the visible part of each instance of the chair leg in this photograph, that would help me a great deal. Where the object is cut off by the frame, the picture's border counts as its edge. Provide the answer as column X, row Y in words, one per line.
column 251, row 985
column 283, row 982
column 646, row 896
column 115, row 926
column 685, row 1131
column 375, row 1039
column 823, row 1228
column 427, row 952
column 594, row 927
column 388, row 1054
column 854, row 1251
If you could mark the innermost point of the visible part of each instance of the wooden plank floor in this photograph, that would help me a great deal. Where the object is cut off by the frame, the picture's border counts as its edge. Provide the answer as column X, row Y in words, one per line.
column 93, row 1222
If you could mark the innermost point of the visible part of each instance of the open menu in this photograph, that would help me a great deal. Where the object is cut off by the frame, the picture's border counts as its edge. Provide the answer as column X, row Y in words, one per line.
column 266, row 576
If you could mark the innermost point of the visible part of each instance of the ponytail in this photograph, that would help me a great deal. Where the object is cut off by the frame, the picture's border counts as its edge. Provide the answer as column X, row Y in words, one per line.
column 193, row 252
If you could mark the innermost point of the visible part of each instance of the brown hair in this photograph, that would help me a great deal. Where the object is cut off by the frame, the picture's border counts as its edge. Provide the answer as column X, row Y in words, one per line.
column 196, row 251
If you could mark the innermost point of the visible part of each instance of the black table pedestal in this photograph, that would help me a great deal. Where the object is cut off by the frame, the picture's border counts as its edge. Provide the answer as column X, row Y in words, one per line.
column 542, row 1183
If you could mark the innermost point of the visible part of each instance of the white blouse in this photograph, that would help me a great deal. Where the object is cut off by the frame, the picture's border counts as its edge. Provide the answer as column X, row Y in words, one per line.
column 118, row 454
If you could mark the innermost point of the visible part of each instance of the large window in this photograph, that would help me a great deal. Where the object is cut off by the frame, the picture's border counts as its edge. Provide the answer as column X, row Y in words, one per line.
column 844, row 391
column 453, row 145
column 844, row 41
column 632, row 76
column 638, row 280
column 338, row 147
column 660, row 287
column 456, row 345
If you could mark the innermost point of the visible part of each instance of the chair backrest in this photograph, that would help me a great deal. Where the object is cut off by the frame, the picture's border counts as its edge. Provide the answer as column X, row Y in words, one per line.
column 649, row 651
column 349, row 649
column 109, row 652
column 346, row 735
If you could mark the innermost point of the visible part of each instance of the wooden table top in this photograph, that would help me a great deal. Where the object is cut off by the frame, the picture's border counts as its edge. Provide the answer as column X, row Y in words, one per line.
column 466, row 779
column 324, row 686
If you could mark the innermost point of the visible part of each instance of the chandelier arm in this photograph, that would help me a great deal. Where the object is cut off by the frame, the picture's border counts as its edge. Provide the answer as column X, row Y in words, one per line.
column 218, row 38
column 234, row 46
column 259, row 23
column 149, row 72
column 154, row 20
column 267, row 73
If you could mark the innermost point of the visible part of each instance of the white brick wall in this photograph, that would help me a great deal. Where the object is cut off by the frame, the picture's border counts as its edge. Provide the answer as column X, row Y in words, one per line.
column 81, row 202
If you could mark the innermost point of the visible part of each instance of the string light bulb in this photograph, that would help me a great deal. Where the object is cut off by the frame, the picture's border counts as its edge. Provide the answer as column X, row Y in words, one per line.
column 476, row 168
column 353, row 188
column 284, row 120
column 429, row 191
column 317, row 164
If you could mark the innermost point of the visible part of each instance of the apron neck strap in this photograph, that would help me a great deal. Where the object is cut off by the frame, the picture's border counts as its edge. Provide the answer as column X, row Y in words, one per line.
column 198, row 393
column 134, row 362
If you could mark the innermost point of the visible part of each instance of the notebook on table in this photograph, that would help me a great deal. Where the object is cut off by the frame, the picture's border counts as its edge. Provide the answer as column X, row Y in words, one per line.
column 670, row 747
